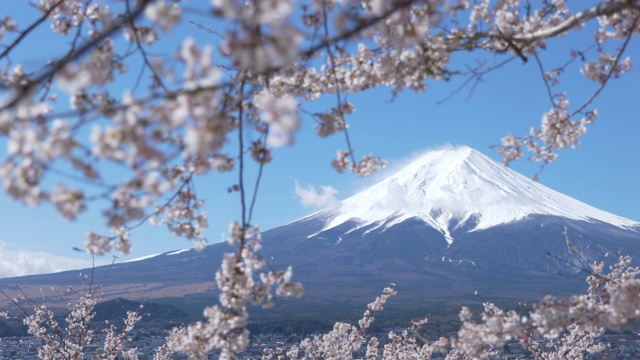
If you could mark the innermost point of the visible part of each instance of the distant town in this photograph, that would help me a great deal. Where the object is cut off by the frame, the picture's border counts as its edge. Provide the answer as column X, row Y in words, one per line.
column 147, row 341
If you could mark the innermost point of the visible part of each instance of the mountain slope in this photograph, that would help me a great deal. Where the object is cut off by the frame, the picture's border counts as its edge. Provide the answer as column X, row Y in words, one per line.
column 450, row 223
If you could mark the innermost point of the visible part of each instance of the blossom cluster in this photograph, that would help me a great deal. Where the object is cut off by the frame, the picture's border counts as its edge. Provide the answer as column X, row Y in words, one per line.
column 225, row 325
column 73, row 340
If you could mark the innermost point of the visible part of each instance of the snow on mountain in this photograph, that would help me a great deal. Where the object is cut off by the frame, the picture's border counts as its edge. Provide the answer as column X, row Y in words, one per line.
column 156, row 255
column 141, row 258
column 460, row 186
column 177, row 252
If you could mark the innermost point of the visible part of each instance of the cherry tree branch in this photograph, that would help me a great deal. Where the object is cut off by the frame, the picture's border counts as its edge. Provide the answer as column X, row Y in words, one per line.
column 602, row 9
column 113, row 29
column 29, row 29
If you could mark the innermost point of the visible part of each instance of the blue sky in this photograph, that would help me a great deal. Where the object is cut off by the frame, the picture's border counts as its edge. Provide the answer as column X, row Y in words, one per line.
column 603, row 172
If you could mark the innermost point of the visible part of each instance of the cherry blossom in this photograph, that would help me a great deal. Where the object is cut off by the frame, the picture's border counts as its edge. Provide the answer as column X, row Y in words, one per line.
column 165, row 119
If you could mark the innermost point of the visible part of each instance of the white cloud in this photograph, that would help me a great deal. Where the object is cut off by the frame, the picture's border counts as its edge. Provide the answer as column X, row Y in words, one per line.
column 309, row 196
column 20, row 262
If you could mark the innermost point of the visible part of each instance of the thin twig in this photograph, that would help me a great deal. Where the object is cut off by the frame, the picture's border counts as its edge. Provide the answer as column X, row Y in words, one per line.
column 544, row 79
column 611, row 71
column 29, row 29
column 113, row 29
column 336, row 85
column 145, row 58
column 241, row 166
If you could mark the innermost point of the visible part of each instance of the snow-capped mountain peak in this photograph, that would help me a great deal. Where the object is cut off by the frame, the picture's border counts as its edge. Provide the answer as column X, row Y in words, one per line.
column 457, row 186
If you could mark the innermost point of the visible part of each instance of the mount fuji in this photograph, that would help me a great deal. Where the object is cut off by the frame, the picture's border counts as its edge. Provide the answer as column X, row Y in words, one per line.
column 449, row 224
column 460, row 188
